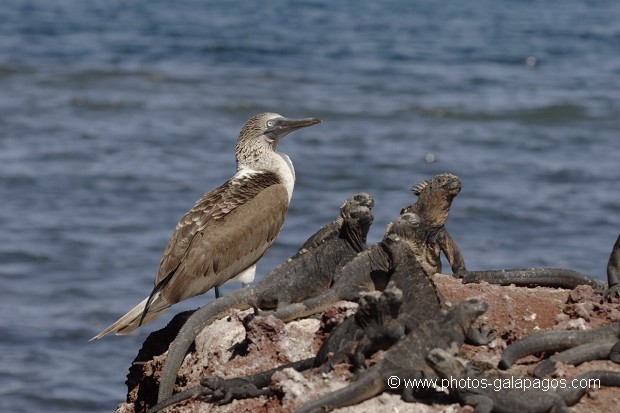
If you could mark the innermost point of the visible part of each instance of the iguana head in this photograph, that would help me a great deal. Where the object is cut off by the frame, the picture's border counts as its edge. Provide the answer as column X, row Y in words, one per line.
column 356, row 209
column 467, row 311
column 435, row 197
column 367, row 304
column 415, row 233
column 211, row 382
column 392, row 299
column 404, row 226
column 445, row 364
column 360, row 199
column 356, row 223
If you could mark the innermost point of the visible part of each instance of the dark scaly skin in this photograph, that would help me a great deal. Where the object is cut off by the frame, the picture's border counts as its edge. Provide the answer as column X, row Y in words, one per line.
column 534, row 277
column 613, row 272
column 411, row 296
column 433, row 204
column 371, row 269
column 406, row 359
column 596, row 350
column 308, row 273
column 375, row 326
column 368, row 271
column 487, row 399
column 372, row 327
column 421, row 298
column 556, row 340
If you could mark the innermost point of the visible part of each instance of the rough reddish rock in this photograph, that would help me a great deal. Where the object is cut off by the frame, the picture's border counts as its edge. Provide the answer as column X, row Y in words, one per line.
column 242, row 344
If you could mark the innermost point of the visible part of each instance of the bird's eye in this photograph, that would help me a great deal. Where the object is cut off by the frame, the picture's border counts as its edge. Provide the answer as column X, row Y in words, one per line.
column 269, row 123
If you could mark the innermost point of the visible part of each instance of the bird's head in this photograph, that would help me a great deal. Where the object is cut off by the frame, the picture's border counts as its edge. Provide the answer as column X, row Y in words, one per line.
column 266, row 129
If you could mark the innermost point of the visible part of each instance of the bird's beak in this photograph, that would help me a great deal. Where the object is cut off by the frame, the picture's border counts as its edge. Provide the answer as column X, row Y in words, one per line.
column 284, row 126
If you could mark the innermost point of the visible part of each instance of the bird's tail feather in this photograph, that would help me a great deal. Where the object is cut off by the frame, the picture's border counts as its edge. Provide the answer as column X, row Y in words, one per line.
column 133, row 318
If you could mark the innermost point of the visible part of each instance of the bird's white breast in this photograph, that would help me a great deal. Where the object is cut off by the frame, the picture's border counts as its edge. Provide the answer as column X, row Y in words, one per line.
column 287, row 172
column 276, row 162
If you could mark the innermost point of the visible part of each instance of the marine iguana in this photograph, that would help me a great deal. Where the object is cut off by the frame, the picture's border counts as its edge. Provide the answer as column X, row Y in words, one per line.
column 307, row 273
column 421, row 298
column 486, row 392
column 558, row 340
column 433, row 204
column 553, row 277
column 374, row 326
column 384, row 317
column 406, row 358
column 534, row 277
column 409, row 299
column 370, row 270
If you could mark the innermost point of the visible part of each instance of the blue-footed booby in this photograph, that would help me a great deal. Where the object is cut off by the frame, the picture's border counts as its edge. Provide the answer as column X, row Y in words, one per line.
column 230, row 228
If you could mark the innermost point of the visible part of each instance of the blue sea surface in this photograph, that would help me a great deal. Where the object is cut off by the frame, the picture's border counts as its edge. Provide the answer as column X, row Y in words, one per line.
column 115, row 117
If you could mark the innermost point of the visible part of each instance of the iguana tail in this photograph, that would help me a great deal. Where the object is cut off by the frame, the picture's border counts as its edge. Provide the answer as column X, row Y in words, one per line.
column 307, row 307
column 556, row 340
column 370, row 384
column 591, row 379
column 534, row 277
column 200, row 319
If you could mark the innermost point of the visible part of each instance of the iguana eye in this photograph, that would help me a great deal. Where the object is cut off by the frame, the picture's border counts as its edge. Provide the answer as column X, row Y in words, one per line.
column 269, row 123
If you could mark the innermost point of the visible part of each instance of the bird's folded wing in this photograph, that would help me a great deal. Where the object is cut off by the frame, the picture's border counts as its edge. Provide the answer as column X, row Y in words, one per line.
column 227, row 231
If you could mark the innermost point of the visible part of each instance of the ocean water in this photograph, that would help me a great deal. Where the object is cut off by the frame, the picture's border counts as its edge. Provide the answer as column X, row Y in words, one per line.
column 116, row 116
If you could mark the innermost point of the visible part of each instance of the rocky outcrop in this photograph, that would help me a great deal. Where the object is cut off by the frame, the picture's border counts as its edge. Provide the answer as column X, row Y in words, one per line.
column 242, row 344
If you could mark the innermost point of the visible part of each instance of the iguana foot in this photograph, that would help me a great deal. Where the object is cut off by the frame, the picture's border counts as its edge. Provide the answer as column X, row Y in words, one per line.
column 612, row 293
column 480, row 336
